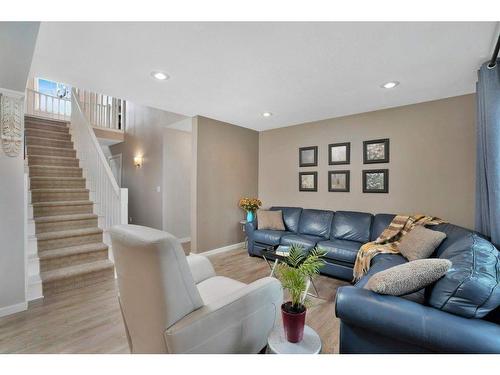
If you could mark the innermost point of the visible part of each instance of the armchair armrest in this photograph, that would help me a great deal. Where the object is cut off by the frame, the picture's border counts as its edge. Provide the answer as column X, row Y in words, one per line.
column 424, row 326
column 237, row 323
column 200, row 267
column 249, row 230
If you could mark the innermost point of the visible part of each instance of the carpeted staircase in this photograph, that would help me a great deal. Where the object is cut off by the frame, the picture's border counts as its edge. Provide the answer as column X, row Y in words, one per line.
column 70, row 243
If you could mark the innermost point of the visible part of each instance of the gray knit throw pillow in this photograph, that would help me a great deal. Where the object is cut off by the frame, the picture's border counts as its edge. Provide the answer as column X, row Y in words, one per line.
column 409, row 277
column 420, row 243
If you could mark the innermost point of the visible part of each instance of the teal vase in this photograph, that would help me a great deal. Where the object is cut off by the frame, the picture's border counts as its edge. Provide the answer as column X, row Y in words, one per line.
column 249, row 216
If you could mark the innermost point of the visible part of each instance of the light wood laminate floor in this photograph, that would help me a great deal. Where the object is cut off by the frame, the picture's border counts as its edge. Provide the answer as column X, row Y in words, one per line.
column 88, row 320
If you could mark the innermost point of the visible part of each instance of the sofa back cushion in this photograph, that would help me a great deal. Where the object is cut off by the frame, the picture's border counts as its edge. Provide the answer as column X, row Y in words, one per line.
column 471, row 288
column 316, row 222
column 291, row 217
column 352, row 226
column 380, row 222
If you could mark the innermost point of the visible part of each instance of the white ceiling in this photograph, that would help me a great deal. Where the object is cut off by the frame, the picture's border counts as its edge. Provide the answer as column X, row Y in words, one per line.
column 298, row 71
column 17, row 43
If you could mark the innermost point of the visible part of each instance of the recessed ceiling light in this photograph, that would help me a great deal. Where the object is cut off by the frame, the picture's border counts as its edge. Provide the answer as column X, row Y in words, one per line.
column 267, row 114
column 160, row 76
column 390, row 85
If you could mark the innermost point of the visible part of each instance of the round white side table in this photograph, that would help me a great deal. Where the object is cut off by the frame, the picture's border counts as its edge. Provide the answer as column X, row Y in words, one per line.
column 278, row 344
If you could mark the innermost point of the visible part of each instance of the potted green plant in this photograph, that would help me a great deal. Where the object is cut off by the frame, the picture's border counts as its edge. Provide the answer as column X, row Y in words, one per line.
column 295, row 274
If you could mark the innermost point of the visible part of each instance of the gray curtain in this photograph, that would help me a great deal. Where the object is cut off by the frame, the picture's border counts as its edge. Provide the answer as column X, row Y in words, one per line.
column 488, row 153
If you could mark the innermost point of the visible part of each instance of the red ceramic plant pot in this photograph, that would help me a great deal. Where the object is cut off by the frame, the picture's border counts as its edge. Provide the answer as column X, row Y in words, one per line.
column 293, row 322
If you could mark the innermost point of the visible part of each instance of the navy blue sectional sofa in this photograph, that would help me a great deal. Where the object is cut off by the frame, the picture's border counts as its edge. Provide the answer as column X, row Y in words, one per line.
column 460, row 313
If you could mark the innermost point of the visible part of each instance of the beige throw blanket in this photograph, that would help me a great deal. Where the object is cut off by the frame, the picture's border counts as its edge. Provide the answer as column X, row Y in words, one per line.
column 389, row 240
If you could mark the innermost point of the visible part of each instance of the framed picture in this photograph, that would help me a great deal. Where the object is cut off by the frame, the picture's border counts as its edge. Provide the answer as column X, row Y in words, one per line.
column 308, row 181
column 376, row 151
column 339, row 153
column 338, row 181
column 308, row 156
column 376, row 181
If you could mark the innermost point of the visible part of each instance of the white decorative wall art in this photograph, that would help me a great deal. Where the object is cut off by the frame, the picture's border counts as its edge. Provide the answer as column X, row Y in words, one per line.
column 11, row 122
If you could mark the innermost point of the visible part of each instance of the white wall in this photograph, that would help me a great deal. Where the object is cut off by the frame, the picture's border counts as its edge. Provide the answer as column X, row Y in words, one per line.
column 17, row 43
column 177, row 160
column 12, row 230
column 144, row 136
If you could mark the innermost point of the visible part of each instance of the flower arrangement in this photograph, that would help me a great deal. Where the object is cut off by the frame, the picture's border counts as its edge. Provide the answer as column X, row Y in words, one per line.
column 250, row 204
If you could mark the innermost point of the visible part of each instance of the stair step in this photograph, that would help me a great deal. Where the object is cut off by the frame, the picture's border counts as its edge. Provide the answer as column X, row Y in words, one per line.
column 54, row 171
column 61, row 222
column 51, row 127
column 67, row 238
column 58, row 195
column 57, row 182
column 57, row 135
column 62, row 161
column 50, row 151
column 78, row 276
column 40, row 141
column 62, row 208
column 72, row 256
column 43, row 120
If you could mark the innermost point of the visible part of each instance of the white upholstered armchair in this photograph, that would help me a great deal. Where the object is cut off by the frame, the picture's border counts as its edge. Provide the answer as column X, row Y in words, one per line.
column 176, row 304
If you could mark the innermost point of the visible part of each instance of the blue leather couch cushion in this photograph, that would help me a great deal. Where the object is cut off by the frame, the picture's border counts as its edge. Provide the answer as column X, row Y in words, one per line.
column 341, row 250
column 291, row 217
column 471, row 287
column 453, row 234
column 380, row 222
column 316, row 223
column 307, row 242
column 269, row 237
column 352, row 226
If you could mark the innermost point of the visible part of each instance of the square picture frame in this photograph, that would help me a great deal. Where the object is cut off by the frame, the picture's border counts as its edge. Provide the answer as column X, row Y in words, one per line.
column 308, row 156
column 308, row 181
column 376, row 151
column 375, row 181
column 339, row 153
column 339, row 181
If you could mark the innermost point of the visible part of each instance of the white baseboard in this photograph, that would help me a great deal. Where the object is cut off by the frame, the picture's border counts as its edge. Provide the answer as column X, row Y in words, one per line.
column 185, row 239
column 12, row 309
column 223, row 249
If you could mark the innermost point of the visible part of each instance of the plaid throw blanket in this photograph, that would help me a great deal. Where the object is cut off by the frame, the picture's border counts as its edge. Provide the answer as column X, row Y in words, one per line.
column 389, row 240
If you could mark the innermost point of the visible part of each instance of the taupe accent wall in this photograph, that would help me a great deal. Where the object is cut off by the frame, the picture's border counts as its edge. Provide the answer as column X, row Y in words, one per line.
column 225, row 169
column 177, row 156
column 432, row 161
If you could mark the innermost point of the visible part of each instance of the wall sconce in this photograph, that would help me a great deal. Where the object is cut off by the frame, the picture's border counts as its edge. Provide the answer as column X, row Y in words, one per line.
column 138, row 161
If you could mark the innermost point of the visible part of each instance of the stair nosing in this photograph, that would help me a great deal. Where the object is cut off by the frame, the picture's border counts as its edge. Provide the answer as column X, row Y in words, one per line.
column 52, row 157
column 70, row 217
column 47, row 131
column 52, row 166
column 60, row 190
column 36, row 118
column 56, row 177
column 48, row 139
column 79, row 269
column 48, row 236
column 72, row 250
column 51, row 147
column 63, row 203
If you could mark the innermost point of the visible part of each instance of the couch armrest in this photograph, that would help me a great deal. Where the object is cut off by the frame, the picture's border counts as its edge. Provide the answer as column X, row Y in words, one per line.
column 407, row 321
column 249, row 229
column 200, row 267
column 236, row 323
